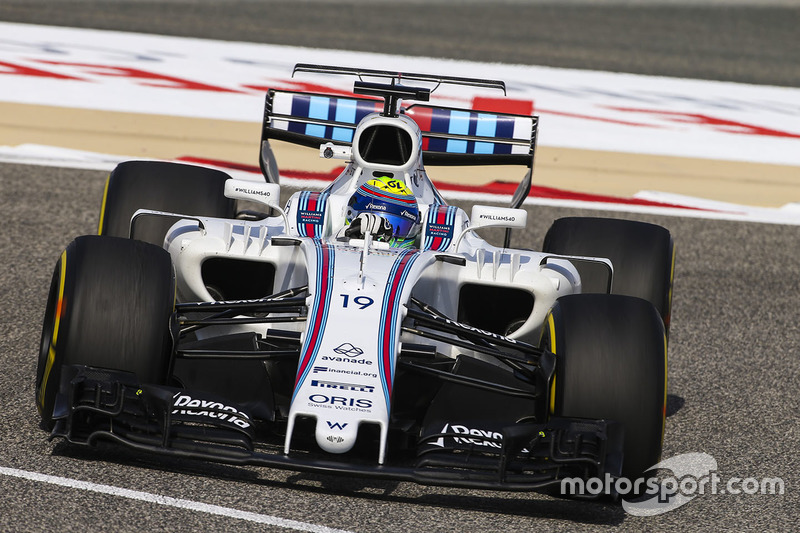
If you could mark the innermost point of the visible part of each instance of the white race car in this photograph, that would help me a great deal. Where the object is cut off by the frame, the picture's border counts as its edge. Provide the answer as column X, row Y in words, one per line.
column 365, row 329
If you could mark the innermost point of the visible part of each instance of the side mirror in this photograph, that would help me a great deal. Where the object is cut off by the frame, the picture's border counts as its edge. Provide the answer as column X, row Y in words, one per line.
column 484, row 216
column 268, row 194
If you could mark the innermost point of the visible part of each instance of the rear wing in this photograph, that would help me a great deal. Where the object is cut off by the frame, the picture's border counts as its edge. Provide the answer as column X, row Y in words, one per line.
column 450, row 136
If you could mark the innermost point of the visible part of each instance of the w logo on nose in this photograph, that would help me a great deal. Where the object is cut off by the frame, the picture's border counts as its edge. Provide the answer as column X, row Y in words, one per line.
column 336, row 425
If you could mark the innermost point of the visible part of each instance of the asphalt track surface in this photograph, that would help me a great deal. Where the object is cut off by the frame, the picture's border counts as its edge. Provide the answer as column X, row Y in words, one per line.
column 734, row 371
column 735, row 40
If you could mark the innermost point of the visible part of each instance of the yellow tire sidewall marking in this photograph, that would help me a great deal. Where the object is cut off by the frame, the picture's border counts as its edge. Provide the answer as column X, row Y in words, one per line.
column 51, row 354
column 664, row 411
column 552, row 329
column 103, row 207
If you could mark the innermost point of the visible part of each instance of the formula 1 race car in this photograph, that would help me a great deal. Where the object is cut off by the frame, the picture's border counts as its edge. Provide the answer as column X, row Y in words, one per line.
column 365, row 329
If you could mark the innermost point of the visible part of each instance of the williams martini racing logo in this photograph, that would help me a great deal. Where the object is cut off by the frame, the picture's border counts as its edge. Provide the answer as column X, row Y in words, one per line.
column 440, row 230
column 309, row 217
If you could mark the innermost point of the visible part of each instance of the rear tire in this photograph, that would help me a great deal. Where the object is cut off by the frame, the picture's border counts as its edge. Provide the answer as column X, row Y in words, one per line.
column 643, row 256
column 109, row 306
column 161, row 186
column 611, row 364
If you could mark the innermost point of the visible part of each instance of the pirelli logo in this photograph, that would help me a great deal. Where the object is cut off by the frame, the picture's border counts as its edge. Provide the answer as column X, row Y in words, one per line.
column 341, row 386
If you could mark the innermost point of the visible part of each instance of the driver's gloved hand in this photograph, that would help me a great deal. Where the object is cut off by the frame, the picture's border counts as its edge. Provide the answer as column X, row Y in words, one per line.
column 376, row 225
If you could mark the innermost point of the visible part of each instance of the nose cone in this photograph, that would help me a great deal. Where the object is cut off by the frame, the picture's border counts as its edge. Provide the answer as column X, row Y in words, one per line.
column 334, row 436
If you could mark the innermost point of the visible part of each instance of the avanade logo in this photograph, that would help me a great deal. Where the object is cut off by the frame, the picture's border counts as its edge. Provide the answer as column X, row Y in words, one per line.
column 348, row 350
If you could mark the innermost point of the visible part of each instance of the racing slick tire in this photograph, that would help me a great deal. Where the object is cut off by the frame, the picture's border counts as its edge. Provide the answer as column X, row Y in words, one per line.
column 643, row 256
column 611, row 363
column 109, row 306
column 161, row 186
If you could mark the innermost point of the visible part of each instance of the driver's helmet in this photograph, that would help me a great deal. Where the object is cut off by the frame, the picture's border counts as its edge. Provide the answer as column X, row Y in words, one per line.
column 391, row 199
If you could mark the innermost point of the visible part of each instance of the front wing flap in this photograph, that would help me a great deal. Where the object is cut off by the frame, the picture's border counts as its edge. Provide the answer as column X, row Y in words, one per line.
column 97, row 405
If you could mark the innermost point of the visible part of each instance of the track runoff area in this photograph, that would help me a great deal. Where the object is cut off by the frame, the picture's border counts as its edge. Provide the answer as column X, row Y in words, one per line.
column 609, row 141
column 88, row 99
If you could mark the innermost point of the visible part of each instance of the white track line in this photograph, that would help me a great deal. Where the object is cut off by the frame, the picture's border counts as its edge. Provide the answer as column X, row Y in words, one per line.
column 168, row 501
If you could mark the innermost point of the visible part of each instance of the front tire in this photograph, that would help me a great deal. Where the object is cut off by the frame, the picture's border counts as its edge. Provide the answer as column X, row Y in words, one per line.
column 109, row 306
column 161, row 186
column 611, row 364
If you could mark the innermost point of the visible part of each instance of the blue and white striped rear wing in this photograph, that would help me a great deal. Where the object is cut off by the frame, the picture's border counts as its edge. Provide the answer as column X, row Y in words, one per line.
column 453, row 136
column 450, row 136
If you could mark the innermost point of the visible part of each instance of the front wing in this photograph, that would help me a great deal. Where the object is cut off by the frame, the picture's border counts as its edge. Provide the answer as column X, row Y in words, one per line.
column 96, row 405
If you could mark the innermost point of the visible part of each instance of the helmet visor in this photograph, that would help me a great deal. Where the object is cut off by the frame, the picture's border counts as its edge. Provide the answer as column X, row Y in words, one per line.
column 402, row 227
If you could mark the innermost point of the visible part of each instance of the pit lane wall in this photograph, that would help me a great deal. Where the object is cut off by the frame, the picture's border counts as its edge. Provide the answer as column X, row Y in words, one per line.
column 166, row 97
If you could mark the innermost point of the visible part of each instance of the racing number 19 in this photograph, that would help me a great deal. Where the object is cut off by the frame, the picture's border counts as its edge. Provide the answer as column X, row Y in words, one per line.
column 361, row 301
